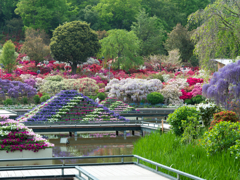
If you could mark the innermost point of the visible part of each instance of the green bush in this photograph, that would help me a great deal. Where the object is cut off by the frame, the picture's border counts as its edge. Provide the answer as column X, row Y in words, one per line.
column 198, row 99
column 221, row 137
column 44, row 98
column 93, row 97
column 157, row 76
column 188, row 101
column 155, row 98
column 101, row 96
column 8, row 102
column 36, row 99
column 25, row 100
column 181, row 114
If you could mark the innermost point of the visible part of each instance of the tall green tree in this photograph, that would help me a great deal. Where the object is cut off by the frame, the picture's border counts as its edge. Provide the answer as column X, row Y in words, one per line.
column 91, row 16
column 150, row 31
column 8, row 56
column 7, row 8
column 123, row 47
column 74, row 42
column 117, row 14
column 42, row 14
column 180, row 38
column 218, row 35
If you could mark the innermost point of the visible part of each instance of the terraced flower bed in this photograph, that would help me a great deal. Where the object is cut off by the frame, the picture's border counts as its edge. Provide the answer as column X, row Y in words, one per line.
column 70, row 106
column 117, row 106
column 14, row 136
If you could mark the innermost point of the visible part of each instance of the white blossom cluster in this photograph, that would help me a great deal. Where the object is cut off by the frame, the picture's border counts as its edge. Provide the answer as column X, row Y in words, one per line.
column 92, row 61
column 166, row 77
column 132, row 89
column 180, row 83
column 171, row 94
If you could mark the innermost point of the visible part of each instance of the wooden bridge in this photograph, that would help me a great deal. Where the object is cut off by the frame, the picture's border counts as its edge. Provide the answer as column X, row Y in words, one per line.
column 101, row 171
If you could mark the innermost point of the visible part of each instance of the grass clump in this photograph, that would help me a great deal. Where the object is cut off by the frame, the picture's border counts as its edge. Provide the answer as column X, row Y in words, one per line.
column 168, row 150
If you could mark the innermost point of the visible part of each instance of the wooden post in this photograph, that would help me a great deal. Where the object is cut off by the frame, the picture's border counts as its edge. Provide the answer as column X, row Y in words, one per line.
column 162, row 125
column 116, row 133
column 133, row 132
column 70, row 134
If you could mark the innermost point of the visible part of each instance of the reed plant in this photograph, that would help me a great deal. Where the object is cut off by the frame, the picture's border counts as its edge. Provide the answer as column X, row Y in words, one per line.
column 168, row 150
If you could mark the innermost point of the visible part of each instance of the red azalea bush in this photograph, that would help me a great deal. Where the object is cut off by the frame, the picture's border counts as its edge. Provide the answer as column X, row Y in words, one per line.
column 192, row 81
column 224, row 116
column 185, row 95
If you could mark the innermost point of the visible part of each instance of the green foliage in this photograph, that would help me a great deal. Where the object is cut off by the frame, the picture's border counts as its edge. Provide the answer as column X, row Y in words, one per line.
column 8, row 102
column 191, row 130
column 44, row 98
column 221, row 137
column 155, row 98
column 183, row 113
column 93, row 97
column 25, row 100
column 117, row 14
column 198, row 99
column 8, row 56
column 223, row 116
column 36, row 45
column 235, row 149
column 36, row 99
column 188, row 101
column 157, row 76
column 179, row 38
column 101, row 96
column 90, row 15
column 54, row 78
column 167, row 149
column 217, row 36
column 151, row 33
column 74, row 42
column 42, row 14
column 123, row 47
column 142, row 101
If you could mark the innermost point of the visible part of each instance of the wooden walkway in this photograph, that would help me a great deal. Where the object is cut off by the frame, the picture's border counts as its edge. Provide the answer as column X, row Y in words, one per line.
column 106, row 172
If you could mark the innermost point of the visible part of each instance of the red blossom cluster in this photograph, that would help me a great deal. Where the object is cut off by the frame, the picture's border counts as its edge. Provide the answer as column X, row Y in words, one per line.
column 185, row 95
column 192, row 81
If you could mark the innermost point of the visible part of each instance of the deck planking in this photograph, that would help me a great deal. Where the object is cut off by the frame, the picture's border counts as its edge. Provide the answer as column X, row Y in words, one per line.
column 102, row 172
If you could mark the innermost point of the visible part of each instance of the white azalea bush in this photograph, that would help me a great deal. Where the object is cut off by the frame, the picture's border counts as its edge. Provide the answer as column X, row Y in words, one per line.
column 54, row 84
column 180, row 83
column 171, row 94
column 132, row 89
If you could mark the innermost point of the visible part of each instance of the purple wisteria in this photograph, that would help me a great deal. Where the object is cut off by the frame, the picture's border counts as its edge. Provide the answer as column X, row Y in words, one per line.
column 224, row 87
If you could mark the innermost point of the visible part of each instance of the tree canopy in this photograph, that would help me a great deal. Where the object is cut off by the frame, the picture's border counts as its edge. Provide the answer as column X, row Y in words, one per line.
column 218, row 35
column 151, row 33
column 74, row 42
column 123, row 47
column 42, row 14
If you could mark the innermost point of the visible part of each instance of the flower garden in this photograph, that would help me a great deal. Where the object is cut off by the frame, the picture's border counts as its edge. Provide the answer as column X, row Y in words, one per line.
column 205, row 122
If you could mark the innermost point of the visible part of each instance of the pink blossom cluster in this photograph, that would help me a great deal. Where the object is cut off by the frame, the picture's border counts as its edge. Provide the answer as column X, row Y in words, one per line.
column 197, row 90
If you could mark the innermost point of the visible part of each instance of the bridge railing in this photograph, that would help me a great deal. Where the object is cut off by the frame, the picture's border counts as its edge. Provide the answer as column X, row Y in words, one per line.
column 82, row 171
column 45, row 123
column 64, row 166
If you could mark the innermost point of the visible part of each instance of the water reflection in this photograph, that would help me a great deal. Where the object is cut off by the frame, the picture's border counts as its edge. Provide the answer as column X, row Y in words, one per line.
column 93, row 144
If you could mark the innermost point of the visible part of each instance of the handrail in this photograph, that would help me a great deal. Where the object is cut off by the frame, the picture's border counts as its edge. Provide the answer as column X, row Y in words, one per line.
column 168, row 168
column 92, row 157
column 82, row 171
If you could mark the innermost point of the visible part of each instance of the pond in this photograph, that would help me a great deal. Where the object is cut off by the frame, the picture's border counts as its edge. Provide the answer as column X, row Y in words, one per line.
column 93, row 144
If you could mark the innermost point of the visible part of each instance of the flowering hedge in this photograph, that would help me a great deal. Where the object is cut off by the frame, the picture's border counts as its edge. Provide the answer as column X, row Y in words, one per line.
column 135, row 89
column 14, row 136
column 15, row 89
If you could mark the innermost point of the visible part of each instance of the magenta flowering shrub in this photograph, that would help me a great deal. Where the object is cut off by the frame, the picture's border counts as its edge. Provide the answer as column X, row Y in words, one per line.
column 197, row 90
column 14, row 136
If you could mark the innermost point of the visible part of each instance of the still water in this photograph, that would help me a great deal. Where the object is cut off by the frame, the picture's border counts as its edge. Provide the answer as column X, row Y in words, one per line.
column 93, row 144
